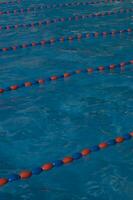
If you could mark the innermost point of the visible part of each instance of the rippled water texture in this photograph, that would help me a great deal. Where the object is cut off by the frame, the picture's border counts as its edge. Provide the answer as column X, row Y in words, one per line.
column 41, row 124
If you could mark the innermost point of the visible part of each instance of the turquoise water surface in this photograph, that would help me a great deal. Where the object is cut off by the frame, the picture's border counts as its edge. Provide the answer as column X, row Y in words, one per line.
column 42, row 123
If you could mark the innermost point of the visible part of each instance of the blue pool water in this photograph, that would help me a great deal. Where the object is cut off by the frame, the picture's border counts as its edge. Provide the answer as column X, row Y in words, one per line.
column 43, row 123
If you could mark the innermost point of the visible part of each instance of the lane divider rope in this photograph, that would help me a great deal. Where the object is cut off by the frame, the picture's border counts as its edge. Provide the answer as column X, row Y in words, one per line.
column 70, row 38
column 53, row 6
column 26, row 174
column 65, row 19
column 42, row 81
column 10, row 2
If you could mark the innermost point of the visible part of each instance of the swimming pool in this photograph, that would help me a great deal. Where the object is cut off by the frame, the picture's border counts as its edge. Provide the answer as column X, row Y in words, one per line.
column 66, row 85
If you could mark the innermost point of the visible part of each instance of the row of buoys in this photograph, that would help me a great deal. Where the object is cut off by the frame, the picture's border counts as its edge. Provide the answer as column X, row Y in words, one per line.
column 70, row 38
column 41, row 81
column 10, row 2
column 60, row 5
column 26, row 174
column 41, row 23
